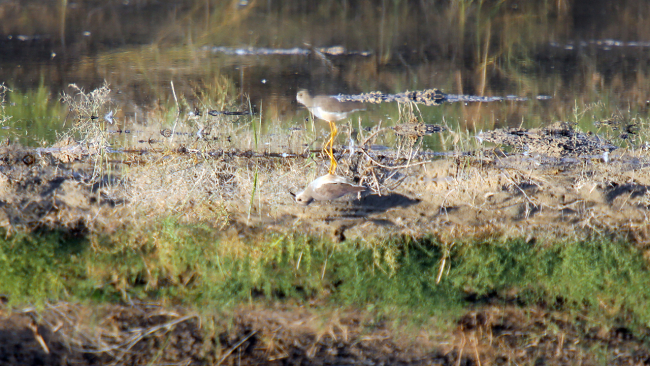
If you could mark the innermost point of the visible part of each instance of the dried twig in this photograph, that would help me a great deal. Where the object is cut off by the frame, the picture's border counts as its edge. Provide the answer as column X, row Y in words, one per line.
column 223, row 358
column 125, row 346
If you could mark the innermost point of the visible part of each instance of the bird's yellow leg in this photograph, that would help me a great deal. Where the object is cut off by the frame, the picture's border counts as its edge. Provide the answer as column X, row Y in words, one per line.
column 326, row 146
column 333, row 163
column 327, row 150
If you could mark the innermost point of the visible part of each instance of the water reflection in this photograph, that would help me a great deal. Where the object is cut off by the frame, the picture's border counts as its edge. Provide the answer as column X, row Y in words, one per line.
column 569, row 50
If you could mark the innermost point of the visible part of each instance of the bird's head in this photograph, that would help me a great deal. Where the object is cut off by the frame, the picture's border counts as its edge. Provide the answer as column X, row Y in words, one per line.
column 303, row 198
column 303, row 97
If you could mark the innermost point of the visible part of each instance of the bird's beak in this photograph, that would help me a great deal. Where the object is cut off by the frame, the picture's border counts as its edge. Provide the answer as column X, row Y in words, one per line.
column 292, row 194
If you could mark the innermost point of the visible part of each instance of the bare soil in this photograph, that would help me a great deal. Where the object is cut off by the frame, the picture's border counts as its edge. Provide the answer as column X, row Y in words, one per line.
column 458, row 196
column 149, row 334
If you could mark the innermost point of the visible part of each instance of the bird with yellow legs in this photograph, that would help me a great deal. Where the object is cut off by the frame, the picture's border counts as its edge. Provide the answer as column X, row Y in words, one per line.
column 331, row 110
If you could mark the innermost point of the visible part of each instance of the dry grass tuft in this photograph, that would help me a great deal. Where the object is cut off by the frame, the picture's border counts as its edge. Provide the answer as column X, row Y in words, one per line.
column 3, row 92
column 90, row 113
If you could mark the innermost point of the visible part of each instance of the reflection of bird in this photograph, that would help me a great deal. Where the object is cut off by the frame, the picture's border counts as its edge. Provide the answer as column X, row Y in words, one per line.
column 326, row 188
column 415, row 130
column 331, row 110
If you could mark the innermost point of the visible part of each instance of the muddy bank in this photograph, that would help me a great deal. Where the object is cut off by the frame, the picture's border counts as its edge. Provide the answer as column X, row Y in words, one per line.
column 557, row 140
column 66, row 334
column 484, row 191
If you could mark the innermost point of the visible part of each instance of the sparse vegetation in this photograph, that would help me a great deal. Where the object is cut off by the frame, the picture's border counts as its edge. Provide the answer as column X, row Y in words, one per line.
column 90, row 114
column 30, row 117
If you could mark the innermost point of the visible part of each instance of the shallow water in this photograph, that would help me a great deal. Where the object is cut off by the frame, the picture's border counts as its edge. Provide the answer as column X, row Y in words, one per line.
column 573, row 61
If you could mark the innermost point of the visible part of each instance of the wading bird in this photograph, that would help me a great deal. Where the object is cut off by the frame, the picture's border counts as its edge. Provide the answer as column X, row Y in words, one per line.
column 331, row 110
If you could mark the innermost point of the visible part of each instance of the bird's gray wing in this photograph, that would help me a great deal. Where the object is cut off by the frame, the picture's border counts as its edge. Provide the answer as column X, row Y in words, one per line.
column 333, row 191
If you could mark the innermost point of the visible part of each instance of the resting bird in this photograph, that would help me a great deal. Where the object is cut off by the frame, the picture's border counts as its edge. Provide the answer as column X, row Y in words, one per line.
column 326, row 188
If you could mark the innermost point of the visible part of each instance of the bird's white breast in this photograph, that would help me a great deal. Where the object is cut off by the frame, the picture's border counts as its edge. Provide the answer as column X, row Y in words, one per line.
column 327, row 115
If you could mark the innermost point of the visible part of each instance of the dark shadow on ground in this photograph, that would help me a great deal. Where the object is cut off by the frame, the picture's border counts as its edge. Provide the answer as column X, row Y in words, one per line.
column 633, row 190
column 382, row 203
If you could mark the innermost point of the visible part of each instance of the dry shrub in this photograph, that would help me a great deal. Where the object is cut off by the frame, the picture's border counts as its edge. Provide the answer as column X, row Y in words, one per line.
column 90, row 112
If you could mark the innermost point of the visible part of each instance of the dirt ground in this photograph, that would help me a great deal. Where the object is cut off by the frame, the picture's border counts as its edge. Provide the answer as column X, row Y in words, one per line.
column 513, row 194
column 529, row 194
column 65, row 334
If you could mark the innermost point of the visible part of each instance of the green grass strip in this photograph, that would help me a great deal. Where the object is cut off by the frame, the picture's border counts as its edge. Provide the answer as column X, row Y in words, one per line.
column 197, row 266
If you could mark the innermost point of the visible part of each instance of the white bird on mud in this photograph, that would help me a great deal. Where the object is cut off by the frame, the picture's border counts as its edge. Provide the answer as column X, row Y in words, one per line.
column 326, row 188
